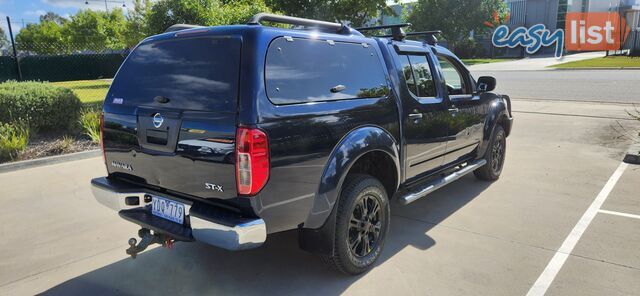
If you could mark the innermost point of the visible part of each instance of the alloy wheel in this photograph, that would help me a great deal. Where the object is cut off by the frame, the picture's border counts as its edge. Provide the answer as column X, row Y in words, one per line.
column 365, row 226
column 497, row 153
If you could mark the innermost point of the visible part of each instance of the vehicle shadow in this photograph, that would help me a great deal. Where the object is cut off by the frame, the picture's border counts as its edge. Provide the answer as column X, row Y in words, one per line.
column 279, row 267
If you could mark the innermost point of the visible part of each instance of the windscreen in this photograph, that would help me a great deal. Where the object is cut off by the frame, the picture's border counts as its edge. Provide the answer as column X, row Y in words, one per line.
column 186, row 73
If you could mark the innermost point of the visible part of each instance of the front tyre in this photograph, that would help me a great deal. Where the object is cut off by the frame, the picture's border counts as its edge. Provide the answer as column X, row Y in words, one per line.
column 362, row 223
column 494, row 155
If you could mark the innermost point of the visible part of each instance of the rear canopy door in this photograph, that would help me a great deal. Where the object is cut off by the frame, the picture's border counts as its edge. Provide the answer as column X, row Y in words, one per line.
column 178, row 98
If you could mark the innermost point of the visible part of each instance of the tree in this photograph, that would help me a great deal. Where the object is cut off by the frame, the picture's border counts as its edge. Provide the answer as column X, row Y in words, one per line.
column 353, row 12
column 165, row 13
column 96, row 30
column 54, row 17
column 136, row 27
column 237, row 12
column 456, row 19
column 4, row 41
column 43, row 38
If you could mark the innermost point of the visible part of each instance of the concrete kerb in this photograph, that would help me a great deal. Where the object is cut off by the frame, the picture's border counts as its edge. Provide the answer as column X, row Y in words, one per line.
column 25, row 164
column 633, row 154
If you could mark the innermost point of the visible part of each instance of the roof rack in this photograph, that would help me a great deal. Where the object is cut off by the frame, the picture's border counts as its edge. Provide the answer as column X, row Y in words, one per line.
column 429, row 36
column 397, row 33
column 283, row 19
column 180, row 27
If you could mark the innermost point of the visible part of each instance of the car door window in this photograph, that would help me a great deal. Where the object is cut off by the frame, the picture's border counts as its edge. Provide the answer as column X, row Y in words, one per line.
column 452, row 77
column 417, row 74
column 405, row 65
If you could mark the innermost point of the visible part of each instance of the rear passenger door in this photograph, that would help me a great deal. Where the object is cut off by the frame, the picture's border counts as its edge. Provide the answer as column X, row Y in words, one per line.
column 424, row 115
column 465, row 109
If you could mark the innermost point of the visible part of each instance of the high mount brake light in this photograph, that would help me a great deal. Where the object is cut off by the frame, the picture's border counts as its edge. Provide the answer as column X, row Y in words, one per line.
column 252, row 160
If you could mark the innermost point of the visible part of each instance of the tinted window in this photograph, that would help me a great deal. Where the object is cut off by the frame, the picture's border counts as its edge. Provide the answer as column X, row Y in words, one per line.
column 422, row 75
column 452, row 77
column 196, row 74
column 305, row 70
column 408, row 74
column 417, row 73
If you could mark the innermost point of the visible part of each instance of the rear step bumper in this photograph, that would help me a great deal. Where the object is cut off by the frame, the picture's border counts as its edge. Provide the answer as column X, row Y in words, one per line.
column 211, row 225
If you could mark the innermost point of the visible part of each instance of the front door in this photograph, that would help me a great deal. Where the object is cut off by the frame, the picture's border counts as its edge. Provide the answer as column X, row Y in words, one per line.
column 425, row 115
column 466, row 112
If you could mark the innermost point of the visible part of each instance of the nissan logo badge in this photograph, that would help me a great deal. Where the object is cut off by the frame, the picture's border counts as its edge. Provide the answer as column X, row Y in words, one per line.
column 157, row 120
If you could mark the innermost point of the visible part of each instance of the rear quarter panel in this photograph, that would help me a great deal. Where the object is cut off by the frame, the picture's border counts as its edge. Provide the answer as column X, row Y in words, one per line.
column 302, row 138
column 300, row 148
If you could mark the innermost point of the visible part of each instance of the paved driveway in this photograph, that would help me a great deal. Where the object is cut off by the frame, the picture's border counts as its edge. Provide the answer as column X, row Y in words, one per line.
column 575, row 85
column 530, row 79
column 470, row 238
column 535, row 63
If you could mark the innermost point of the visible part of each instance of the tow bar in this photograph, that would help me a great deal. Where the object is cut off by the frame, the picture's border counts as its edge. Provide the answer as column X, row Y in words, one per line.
column 147, row 240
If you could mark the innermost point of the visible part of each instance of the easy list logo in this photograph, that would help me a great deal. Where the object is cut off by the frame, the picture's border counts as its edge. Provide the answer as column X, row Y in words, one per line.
column 531, row 39
column 590, row 31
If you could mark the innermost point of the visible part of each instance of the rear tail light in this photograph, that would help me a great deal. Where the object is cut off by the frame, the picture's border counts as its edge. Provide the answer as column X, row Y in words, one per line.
column 252, row 160
column 104, row 154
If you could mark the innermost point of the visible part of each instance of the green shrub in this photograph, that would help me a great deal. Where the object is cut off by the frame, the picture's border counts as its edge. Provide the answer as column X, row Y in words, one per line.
column 90, row 121
column 42, row 106
column 468, row 49
column 13, row 139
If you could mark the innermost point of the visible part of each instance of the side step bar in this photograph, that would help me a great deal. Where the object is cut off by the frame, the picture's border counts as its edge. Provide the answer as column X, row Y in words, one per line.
column 440, row 182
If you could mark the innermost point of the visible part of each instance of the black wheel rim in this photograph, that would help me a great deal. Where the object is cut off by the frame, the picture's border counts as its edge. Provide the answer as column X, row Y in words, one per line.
column 365, row 226
column 497, row 153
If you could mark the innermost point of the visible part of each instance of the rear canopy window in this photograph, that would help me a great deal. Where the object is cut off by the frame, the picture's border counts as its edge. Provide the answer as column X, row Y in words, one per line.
column 310, row 70
column 193, row 73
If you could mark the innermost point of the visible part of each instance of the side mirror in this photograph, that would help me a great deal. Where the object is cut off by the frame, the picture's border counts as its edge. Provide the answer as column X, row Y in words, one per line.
column 486, row 83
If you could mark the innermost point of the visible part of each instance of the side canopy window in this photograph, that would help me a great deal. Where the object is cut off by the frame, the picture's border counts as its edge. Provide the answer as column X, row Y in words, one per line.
column 417, row 74
column 309, row 70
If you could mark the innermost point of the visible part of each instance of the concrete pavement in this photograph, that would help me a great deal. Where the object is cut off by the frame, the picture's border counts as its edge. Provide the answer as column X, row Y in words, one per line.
column 535, row 63
column 469, row 238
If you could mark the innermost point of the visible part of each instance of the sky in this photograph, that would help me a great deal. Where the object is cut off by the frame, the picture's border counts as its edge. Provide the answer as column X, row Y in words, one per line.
column 28, row 11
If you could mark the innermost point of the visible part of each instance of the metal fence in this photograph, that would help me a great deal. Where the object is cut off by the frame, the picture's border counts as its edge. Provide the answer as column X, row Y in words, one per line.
column 86, row 68
column 632, row 44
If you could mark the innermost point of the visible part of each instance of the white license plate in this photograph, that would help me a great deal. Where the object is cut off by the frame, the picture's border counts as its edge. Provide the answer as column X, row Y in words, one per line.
column 167, row 209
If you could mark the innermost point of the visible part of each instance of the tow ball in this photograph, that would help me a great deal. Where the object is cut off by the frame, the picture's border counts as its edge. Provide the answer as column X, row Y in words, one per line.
column 147, row 239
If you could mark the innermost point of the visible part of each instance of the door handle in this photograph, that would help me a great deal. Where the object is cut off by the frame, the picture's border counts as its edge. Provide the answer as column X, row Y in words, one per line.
column 415, row 116
column 454, row 110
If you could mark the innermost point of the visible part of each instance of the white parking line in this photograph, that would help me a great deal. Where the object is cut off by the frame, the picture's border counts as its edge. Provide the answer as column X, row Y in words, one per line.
column 619, row 214
column 541, row 285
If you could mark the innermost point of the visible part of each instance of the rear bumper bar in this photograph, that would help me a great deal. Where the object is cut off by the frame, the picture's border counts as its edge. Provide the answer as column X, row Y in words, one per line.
column 204, row 223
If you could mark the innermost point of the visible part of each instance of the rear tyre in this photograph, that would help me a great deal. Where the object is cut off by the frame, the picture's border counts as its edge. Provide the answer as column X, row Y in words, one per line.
column 362, row 223
column 494, row 155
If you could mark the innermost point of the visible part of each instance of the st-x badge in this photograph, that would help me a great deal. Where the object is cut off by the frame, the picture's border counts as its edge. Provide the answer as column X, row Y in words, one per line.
column 213, row 187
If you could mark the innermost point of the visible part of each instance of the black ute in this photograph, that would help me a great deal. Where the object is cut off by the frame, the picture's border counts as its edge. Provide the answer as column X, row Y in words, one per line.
column 224, row 135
